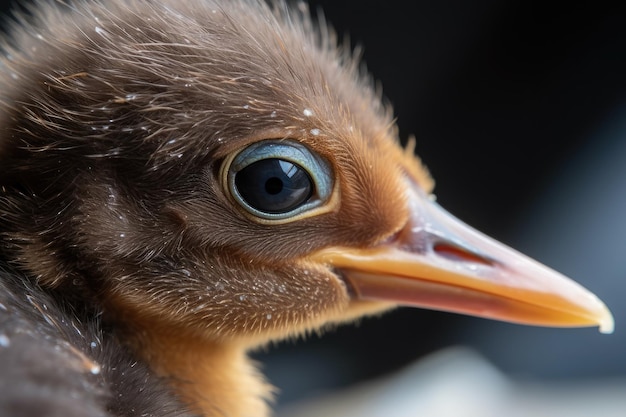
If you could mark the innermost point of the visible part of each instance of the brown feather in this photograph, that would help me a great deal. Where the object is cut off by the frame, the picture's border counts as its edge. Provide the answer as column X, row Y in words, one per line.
column 116, row 117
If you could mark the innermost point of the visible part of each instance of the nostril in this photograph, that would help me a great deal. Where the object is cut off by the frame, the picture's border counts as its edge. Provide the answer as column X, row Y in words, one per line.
column 457, row 253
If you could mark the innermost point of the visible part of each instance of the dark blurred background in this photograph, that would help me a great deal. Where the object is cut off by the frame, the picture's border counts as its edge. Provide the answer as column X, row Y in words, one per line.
column 519, row 109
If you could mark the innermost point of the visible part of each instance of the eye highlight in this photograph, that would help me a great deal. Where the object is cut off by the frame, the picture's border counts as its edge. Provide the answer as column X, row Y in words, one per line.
column 278, row 180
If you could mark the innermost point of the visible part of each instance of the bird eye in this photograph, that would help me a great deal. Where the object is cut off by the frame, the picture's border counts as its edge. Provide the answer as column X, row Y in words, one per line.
column 274, row 185
column 277, row 180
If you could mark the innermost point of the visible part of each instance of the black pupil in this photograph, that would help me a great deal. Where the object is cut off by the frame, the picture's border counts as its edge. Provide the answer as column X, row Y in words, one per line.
column 274, row 185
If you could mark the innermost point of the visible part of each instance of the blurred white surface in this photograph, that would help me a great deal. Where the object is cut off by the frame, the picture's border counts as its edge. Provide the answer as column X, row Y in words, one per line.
column 457, row 382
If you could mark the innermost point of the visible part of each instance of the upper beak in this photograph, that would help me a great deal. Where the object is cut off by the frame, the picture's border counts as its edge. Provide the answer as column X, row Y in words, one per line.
column 438, row 262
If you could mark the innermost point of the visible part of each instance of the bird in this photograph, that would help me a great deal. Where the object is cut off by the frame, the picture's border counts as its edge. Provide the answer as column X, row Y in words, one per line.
column 184, row 181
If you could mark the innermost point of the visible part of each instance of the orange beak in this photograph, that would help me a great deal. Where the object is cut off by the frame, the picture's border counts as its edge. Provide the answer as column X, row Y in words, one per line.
column 438, row 262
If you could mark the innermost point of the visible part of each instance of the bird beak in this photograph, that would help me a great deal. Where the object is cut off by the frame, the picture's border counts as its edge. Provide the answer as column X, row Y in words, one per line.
column 438, row 262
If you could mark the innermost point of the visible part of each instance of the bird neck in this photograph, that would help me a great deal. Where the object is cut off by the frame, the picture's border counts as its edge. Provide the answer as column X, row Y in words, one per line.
column 215, row 379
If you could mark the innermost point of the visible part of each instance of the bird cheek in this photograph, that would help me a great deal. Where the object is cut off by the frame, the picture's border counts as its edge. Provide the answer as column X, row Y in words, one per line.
column 279, row 302
column 243, row 302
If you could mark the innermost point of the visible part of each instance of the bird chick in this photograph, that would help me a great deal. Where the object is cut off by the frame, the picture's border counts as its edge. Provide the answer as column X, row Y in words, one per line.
column 185, row 180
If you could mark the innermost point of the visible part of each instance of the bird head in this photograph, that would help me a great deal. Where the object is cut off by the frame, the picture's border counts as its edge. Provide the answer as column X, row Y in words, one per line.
column 225, row 169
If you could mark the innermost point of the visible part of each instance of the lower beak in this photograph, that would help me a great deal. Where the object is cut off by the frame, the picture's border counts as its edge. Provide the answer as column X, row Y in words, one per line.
column 440, row 263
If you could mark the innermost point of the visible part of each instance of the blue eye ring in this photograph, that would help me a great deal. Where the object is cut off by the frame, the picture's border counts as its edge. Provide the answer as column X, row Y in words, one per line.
column 287, row 153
